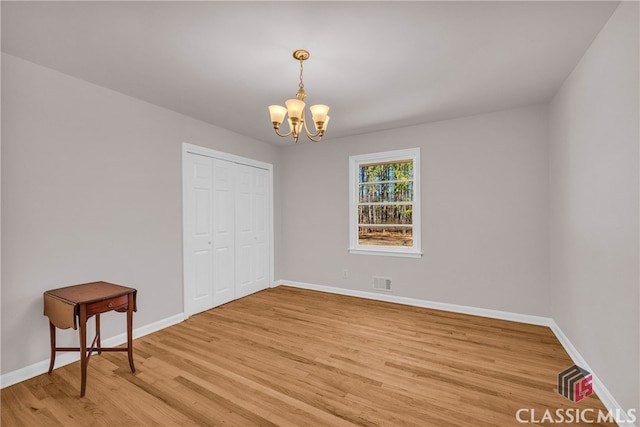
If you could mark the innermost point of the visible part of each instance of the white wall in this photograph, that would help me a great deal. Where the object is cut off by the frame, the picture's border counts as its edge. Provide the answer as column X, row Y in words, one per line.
column 91, row 190
column 594, row 121
column 484, row 221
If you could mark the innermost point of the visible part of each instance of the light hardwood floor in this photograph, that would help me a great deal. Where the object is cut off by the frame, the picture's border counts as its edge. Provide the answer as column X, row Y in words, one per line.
column 291, row 357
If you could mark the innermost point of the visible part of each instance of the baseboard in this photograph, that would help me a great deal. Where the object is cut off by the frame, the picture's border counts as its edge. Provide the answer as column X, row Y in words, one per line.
column 598, row 386
column 62, row 359
column 494, row 314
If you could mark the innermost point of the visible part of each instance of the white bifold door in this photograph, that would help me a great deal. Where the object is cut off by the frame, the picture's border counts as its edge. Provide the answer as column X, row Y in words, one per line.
column 226, row 231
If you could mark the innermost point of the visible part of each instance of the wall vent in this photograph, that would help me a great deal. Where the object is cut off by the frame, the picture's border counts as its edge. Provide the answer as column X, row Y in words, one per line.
column 382, row 283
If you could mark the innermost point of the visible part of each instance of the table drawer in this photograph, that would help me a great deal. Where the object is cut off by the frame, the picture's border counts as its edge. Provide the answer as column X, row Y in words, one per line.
column 107, row 305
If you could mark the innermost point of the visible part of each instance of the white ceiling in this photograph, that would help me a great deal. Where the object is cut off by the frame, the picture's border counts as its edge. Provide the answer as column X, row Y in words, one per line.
column 378, row 65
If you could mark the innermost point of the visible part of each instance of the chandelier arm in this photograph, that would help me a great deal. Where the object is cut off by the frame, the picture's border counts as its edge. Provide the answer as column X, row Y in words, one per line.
column 313, row 139
column 309, row 134
column 283, row 134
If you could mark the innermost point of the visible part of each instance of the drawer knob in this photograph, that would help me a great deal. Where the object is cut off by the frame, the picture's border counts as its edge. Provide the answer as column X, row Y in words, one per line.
column 110, row 304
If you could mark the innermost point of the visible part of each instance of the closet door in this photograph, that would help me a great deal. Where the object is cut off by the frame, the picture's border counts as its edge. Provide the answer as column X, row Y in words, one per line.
column 252, row 253
column 224, row 254
column 198, row 267
column 227, row 223
column 261, row 221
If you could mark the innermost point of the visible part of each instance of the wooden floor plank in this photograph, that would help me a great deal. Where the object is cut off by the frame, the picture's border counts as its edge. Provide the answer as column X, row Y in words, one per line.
column 293, row 357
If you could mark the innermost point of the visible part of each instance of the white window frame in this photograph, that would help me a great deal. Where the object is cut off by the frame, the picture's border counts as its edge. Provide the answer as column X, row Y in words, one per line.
column 386, row 156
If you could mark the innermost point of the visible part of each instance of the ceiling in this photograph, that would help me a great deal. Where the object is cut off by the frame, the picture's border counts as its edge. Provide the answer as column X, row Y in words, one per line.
column 378, row 65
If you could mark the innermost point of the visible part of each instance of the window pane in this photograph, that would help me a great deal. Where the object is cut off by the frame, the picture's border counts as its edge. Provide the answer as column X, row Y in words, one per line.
column 385, row 236
column 386, row 192
column 374, row 192
column 395, row 171
column 385, row 214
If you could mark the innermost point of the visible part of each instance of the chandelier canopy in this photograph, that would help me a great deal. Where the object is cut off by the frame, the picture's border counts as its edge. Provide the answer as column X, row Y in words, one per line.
column 295, row 109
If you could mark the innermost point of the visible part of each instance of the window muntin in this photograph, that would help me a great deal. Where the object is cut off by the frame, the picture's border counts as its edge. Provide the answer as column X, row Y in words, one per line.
column 385, row 206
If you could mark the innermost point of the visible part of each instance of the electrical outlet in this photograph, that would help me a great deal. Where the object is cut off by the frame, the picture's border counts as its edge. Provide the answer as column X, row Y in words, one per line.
column 345, row 274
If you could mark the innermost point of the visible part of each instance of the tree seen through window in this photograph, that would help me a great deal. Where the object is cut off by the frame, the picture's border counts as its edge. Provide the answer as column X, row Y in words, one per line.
column 385, row 203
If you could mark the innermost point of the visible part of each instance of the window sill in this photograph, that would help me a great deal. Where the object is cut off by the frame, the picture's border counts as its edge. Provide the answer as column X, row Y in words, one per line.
column 385, row 252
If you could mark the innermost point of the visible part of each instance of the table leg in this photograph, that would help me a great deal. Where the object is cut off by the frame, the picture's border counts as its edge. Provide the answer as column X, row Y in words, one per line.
column 98, row 333
column 52, row 334
column 130, row 331
column 83, row 348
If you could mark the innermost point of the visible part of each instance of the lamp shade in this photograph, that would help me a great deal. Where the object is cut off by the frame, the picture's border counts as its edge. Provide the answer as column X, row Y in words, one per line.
column 277, row 113
column 319, row 112
column 295, row 108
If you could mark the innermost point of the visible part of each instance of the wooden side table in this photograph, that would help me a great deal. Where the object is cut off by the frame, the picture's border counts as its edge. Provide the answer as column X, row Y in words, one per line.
column 63, row 305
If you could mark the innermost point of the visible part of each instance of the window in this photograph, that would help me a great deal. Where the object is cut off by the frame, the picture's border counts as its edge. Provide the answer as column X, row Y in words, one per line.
column 385, row 203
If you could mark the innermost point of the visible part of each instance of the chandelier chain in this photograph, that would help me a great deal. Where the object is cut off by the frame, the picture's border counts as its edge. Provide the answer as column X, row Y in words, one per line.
column 301, row 85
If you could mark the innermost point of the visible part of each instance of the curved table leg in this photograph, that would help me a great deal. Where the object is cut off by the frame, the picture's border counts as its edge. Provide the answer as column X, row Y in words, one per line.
column 98, row 333
column 52, row 334
column 130, row 331
column 83, row 348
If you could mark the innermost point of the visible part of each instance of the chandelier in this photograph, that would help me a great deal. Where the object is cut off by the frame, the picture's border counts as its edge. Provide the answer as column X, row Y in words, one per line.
column 295, row 108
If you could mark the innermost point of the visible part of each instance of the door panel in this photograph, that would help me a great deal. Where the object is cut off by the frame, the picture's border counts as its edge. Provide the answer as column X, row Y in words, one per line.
column 198, row 266
column 244, row 231
column 251, row 235
column 223, row 232
column 261, row 221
